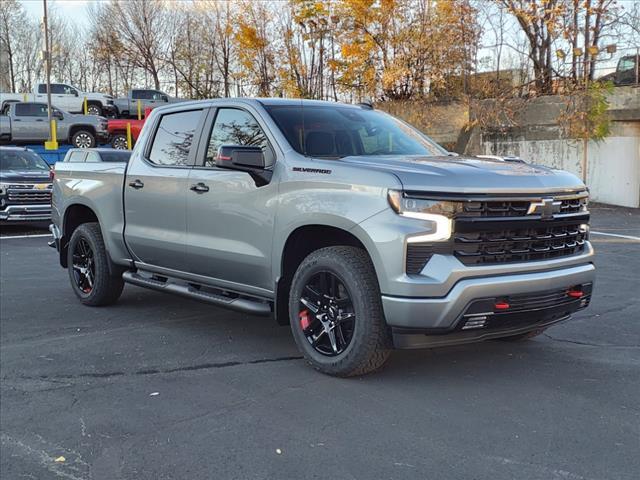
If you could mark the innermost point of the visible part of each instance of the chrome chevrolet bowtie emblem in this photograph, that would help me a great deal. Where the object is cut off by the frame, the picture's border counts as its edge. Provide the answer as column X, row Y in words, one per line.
column 545, row 208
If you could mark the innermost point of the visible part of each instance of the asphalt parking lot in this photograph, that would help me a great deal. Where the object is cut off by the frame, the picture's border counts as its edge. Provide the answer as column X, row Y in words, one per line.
column 159, row 387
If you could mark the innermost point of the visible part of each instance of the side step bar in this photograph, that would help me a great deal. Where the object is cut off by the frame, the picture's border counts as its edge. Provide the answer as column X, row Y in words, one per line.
column 245, row 305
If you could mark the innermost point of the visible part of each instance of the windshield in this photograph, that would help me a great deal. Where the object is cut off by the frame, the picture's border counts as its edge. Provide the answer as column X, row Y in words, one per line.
column 336, row 132
column 22, row 160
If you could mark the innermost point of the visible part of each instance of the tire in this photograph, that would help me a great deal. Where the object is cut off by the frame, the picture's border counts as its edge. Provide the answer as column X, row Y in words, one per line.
column 104, row 288
column 369, row 339
column 94, row 109
column 119, row 142
column 83, row 139
column 522, row 337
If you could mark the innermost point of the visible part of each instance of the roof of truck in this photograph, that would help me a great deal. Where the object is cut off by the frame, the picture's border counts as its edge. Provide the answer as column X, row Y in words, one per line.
column 266, row 102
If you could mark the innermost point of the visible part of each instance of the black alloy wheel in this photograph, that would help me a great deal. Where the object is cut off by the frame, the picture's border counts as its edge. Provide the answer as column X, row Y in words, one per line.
column 83, row 266
column 327, row 316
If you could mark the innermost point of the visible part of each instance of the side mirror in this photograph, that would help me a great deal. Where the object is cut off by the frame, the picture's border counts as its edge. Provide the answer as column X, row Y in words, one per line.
column 75, row 93
column 58, row 114
column 165, row 98
column 245, row 158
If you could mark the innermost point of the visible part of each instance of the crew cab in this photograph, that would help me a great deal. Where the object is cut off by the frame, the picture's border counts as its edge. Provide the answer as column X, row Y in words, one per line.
column 65, row 97
column 25, row 186
column 127, row 107
column 341, row 221
column 27, row 122
column 627, row 71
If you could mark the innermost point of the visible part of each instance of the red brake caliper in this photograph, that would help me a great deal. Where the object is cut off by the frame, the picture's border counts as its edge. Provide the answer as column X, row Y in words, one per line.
column 304, row 319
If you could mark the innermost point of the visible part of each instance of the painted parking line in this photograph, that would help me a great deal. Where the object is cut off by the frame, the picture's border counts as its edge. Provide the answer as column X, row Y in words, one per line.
column 8, row 237
column 616, row 235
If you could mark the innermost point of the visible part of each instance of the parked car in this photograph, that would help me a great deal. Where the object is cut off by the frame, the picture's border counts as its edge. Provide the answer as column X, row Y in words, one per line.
column 127, row 107
column 118, row 130
column 65, row 97
column 347, row 224
column 23, row 122
column 96, row 155
column 25, row 186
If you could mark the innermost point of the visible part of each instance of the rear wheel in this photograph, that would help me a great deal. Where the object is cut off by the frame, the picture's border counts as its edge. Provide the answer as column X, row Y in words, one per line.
column 336, row 312
column 83, row 139
column 89, row 269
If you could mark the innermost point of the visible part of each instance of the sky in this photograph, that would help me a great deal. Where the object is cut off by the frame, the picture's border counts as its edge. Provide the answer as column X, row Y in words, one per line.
column 73, row 10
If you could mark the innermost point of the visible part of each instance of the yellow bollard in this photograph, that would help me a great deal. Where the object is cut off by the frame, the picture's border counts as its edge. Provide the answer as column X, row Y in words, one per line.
column 52, row 144
column 24, row 97
column 86, row 106
column 139, row 110
column 129, row 142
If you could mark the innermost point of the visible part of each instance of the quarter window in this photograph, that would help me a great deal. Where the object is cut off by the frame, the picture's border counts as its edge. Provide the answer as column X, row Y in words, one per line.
column 174, row 138
column 235, row 127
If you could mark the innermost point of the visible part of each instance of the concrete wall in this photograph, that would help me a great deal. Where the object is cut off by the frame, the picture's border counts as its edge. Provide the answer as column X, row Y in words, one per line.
column 613, row 165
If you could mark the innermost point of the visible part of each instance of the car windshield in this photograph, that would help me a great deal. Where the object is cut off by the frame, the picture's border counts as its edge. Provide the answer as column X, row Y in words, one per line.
column 22, row 160
column 336, row 132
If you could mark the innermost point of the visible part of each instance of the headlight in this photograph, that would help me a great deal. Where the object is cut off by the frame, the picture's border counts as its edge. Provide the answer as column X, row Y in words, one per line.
column 437, row 214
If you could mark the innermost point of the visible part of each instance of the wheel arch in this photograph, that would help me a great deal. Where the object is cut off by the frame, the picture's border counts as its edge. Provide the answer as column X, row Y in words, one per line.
column 299, row 243
column 76, row 128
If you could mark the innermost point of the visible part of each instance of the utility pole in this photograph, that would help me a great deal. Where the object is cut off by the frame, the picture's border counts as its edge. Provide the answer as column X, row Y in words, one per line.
column 47, row 57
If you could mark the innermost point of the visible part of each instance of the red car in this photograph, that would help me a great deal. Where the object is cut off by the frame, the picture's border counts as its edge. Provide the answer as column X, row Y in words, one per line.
column 118, row 130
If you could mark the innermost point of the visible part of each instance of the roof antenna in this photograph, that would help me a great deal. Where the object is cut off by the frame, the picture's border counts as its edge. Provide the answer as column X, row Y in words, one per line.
column 367, row 104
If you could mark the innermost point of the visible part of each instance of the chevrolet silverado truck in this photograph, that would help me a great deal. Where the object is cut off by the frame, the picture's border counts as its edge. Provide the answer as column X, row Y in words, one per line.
column 25, row 186
column 27, row 122
column 65, row 97
column 127, row 107
column 341, row 221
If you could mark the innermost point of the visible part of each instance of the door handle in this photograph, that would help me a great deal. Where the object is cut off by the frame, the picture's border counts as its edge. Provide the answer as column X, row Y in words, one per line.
column 199, row 188
column 39, row 120
column 137, row 184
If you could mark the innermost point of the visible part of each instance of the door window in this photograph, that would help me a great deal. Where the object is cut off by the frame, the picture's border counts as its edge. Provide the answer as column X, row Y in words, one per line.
column 31, row 110
column 235, row 127
column 174, row 137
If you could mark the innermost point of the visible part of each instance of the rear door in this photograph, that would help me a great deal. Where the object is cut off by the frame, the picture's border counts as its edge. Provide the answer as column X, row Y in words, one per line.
column 30, row 122
column 229, row 218
column 155, row 189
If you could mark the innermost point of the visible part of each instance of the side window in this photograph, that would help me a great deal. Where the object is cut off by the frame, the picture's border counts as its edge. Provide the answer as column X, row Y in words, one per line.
column 76, row 157
column 174, row 137
column 57, row 89
column 67, row 90
column 234, row 127
column 23, row 110
column 39, row 110
column 93, row 157
column 627, row 64
column 42, row 88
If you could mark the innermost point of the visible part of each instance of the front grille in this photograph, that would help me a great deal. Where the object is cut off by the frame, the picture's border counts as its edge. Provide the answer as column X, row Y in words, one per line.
column 417, row 258
column 26, row 195
column 518, row 208
column 510, row 243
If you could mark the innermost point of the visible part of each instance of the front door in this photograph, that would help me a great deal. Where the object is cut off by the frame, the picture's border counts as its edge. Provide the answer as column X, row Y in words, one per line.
column 156, row 187
column 230, row 220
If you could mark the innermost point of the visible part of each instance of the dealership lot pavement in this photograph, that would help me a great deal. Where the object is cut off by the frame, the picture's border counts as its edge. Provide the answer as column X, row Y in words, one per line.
column 159, row 387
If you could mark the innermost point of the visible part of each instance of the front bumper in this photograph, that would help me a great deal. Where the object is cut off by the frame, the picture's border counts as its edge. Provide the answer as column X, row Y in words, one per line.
column 428, row 316
column 26, row 213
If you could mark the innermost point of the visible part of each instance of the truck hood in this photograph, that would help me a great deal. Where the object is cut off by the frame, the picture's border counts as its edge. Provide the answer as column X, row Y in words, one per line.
column 24, row 176
column 97, row 96
column 449, row 174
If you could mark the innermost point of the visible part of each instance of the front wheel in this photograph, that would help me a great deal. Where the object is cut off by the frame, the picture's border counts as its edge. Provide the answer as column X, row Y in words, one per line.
column 83, row 139
column 336, row 312
column 119, row 142
column 93, row 109
column 91, row 277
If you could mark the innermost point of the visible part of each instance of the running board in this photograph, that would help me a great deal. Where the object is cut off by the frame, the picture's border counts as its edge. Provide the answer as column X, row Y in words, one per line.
column 238, row 304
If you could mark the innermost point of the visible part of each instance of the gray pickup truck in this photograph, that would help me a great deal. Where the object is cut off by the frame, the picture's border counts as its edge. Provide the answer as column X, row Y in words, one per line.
column 339, row 220
column 27, row 122
column 127, row 107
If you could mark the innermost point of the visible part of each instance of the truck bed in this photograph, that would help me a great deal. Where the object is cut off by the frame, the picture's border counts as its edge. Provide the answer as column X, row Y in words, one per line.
column 97, row 186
